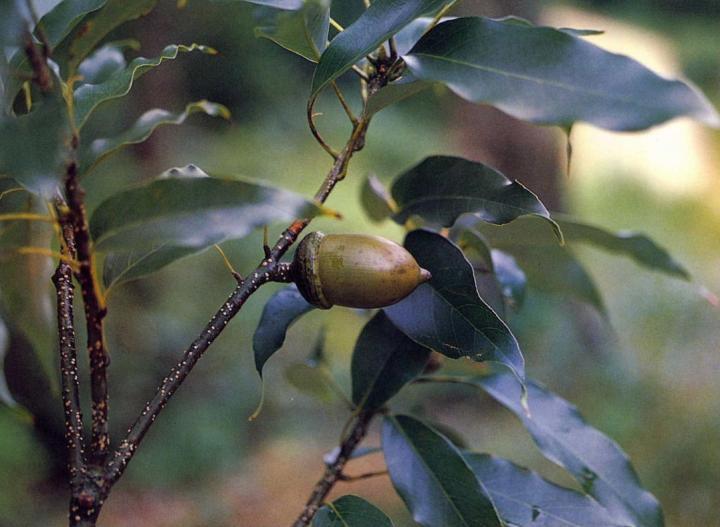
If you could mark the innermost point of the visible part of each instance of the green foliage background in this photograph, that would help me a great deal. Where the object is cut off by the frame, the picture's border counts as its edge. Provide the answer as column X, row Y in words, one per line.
column 650, row 382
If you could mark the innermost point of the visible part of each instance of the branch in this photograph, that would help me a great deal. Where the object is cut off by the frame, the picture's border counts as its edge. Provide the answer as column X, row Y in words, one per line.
column 94, row 314
column 68, row 362
column 270, row 269
column 333, row 472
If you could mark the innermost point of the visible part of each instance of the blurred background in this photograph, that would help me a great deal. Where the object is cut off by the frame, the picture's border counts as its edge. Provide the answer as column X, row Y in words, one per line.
column 647, row 374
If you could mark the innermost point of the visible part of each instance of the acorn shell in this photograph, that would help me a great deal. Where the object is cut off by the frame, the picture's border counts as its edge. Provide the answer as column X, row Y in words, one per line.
column 354, row 270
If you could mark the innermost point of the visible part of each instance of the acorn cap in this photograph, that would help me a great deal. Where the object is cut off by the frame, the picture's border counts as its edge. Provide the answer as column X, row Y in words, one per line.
column 306, row 272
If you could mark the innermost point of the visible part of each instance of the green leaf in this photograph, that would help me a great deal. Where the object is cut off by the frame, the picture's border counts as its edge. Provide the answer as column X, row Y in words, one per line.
column 56, row 25
column 350, row 511
column 89, row 96
column 105, row 62
column 121, row 267
column 375, row 199
column 525, row 499
column 280, row 4
column 384, row 360
column 303, row 31
column 279, row 313
column 441, row 188
column 311, row 381
column 192, row 212
column 100, row 149
column 564, row 437
column 637, row 246
column 446, row 314
column 431, row 476
column 547, row 76
column 24, row 373
column 378, row 23
column 85, row 37
column 5, row 395
column 548, row 266
column 33, row 149
column 394, row 92
column 511, row 278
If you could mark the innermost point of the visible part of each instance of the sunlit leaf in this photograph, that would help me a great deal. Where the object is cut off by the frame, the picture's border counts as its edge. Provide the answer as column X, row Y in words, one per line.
column 384, row 360
column 350, row 511
column 303, row 31
column 192, row 212
column 547, row 76
column 376, row 24
column 525, row 499
column 446, row 314
column 563, row 436
column 441, row 188
column 432, row 477
column 89, row 96
column 279, row 313
column 142, row 129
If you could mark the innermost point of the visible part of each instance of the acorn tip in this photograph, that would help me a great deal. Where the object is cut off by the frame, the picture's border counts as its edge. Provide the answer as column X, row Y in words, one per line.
column 425, row 275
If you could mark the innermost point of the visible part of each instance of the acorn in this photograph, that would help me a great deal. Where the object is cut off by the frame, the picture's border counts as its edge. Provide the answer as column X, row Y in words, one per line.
column 354, row 270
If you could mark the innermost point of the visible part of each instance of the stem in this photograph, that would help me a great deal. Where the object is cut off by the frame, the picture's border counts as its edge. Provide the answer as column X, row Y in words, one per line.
column 269, row 269
column 94, row 314
column 333, row 472
column 436, row 19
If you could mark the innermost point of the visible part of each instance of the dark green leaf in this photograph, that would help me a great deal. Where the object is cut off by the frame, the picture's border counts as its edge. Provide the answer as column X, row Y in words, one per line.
column 408, row 36
column 100, row 149
column 547, row 76
column 281, row 310
column 375, row 199
column 350, row 511
column 5, row 395
column 441, row 188
column 33, row 149
column 516, row 20
column 637, row 246
column 548, row 266
column 564, row 437
column 394, row 92
column 24, row 373
column 89, row 96
column 446, row 314
column 85, row 37
column 280, row 4
column 14, row 17
column 303, row 31
column 432, row 478
column 525, row 499
column 105, row 62
column 379, row 22
column 384, row 360
column 192, row 212
column 56, row 25
column 120, row 267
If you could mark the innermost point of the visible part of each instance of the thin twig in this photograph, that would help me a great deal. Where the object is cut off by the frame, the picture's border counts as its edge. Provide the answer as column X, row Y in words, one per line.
column 333, row 471
column 344, row 104
column 438, row 17
column 269, row 269
column 316, row 133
